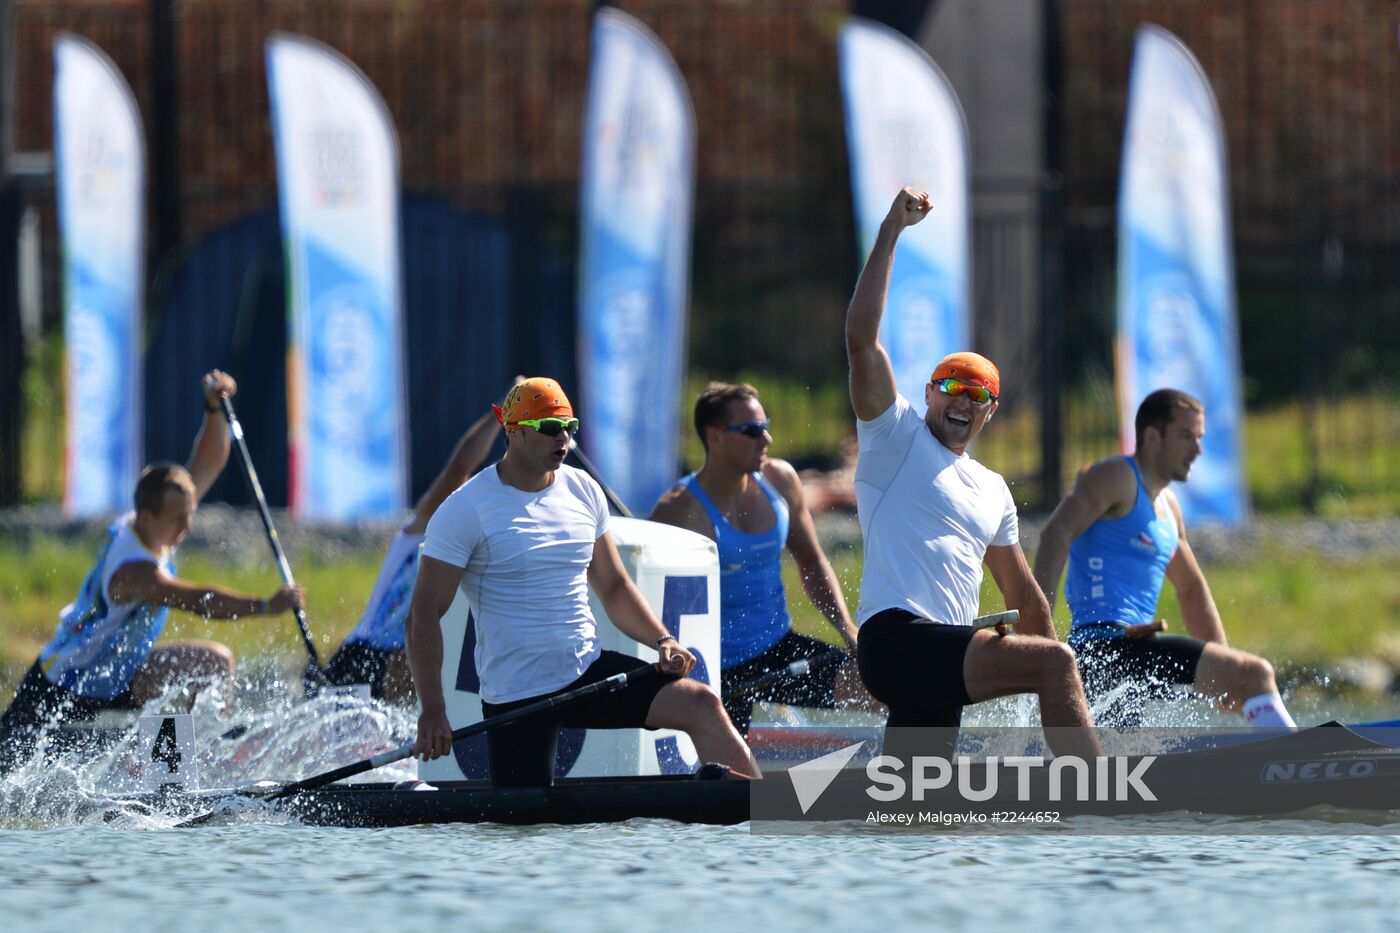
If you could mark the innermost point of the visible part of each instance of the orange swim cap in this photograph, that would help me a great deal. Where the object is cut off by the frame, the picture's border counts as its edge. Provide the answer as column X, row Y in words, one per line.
column 536, row 397
column 972, row 368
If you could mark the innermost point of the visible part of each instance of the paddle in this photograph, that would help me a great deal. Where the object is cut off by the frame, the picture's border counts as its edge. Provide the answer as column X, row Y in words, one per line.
column 607, row 685
column 617, row 503
column 800, row 668
column 998, row 620
column 312, row 677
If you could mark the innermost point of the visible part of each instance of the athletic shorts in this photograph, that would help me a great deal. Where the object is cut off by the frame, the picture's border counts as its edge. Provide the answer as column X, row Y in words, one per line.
column 359, row 663
column 1121, row 673
column 40, row 704
column 815, row 688
column 915, row 667
column 522, row 753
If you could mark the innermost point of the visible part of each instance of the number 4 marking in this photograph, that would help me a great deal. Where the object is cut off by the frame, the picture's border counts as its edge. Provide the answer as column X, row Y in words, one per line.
column 166, row 748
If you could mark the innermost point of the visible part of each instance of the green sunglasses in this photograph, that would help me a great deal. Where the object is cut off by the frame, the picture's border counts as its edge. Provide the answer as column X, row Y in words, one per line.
column 550, row 427
column 978, row 394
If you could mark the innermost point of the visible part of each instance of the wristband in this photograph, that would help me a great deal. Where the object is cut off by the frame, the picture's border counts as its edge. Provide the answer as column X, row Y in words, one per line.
column 210, row 408
column 665, row 638
column 262, row 607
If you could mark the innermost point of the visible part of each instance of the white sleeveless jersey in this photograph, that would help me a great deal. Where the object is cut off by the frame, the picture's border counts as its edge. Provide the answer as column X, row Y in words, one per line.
column 99, row 645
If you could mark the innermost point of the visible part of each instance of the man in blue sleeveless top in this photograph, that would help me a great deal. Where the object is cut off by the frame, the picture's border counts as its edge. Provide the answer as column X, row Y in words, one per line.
column 103, row 655
column 1122, row 530
column 374, row 652
column 752, row 506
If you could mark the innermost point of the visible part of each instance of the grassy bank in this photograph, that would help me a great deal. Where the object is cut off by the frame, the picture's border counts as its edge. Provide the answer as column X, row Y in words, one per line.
column 1338, row 461
column 1294, row 608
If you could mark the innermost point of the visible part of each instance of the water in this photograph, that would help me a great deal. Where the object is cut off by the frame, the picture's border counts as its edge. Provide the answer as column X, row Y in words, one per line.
column 69, row 869
column 650, row 875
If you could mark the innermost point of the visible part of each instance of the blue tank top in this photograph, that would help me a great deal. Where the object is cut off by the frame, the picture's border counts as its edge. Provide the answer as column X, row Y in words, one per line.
column 753, row 607
column 1116, row 568
column 381, row 624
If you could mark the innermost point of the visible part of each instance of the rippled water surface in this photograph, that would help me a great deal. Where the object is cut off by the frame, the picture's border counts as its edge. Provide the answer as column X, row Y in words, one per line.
column 650, row 874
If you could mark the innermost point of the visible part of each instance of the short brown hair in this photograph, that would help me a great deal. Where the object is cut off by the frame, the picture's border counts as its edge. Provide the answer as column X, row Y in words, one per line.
column 711, row 405
column 157, row 480
column 1160, row 407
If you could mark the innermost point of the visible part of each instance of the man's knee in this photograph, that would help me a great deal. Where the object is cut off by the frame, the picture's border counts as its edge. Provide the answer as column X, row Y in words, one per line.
column 1258, row 674
column 205, row 659
column 1057, row 663
column 688, row 703
column 1240, row 672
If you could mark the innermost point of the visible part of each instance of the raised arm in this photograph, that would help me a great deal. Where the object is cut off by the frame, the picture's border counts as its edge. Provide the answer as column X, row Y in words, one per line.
column 872, row 377
column 146, row 582
column 472, row 448
column 628, row 609
column 818, row 579
column 1018, row 588
column 433, row 593
column 212, row 443
column 1101, row 489
column 1198, row 610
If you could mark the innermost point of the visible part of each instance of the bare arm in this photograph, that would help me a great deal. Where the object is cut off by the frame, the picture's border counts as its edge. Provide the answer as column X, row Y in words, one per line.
column 872, row 377
column 147, row 582
column 1018, row 588
column 628, row 610
column 818, row 579
column 433, row 593
column 472, row 448
column 1198, row 609
column 212, row 443
column 1101, row 489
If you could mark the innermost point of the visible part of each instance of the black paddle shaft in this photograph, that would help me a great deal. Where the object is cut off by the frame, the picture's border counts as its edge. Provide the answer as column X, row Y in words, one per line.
column 786, row 673
column 607, row 685
column 613, row 497
column 255, row 487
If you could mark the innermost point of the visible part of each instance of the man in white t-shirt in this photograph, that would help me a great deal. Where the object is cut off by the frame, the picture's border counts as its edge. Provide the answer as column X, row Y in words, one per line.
column 524, row 541
column 104, row 655
column 931, row 516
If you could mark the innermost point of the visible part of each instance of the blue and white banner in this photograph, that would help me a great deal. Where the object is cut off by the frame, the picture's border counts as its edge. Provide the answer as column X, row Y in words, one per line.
column 1176, row 276
column 637, row 187
column 100, row 158
column 905, row 128
column 338, row 185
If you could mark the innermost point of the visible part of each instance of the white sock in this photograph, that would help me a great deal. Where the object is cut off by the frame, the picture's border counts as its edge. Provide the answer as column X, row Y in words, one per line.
column 1267, row 710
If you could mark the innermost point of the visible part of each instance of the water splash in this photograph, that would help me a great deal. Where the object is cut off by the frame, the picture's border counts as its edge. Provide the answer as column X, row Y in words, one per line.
column 98, row 781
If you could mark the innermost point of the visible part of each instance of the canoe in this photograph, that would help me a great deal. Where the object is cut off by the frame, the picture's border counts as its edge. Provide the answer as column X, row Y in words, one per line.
column 1329, row 765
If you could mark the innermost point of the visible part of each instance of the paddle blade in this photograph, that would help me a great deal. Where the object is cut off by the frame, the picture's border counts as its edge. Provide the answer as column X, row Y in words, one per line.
column 313, row 679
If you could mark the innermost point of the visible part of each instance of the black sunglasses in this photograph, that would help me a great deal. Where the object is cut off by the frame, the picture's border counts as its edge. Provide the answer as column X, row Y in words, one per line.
column 753, row 429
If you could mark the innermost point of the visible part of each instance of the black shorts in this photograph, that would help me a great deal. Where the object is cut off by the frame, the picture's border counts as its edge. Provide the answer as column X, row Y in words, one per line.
column 815, row 688
column 915, row 667
column 522, row 753
column 359, row 663
column 40, row 705
column 1121, row 673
